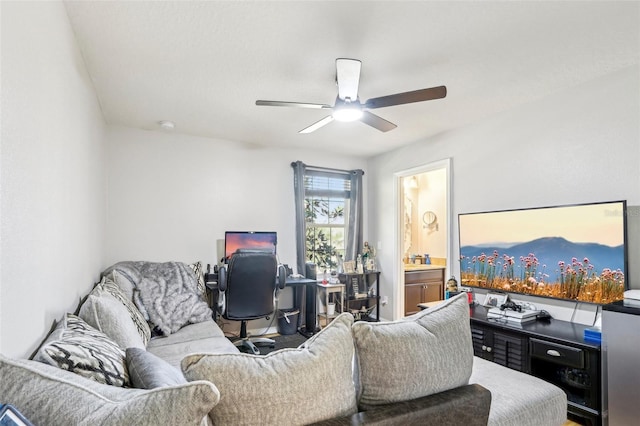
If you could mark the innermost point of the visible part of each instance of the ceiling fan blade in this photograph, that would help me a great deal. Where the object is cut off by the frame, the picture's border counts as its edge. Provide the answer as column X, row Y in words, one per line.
column 377, row 122
column 407, row 97
column 292, row 104
column 348, row 78
column 315, row 126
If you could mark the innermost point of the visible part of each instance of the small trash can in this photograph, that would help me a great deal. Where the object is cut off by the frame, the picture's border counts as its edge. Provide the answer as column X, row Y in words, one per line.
column 288, row 321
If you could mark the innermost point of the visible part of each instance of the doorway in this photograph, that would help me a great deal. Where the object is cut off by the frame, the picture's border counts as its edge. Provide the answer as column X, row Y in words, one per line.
column 423, row 221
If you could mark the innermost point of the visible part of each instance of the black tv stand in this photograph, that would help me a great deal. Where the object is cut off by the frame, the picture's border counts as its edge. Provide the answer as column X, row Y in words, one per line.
column 552, row 350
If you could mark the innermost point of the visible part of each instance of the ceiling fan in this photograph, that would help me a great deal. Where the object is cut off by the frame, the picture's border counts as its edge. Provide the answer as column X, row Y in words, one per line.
column 348, row 106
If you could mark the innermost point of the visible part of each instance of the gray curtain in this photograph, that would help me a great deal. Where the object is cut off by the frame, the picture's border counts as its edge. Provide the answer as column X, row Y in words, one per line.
column 354, row 241
column 299, row 168
column 354, row 234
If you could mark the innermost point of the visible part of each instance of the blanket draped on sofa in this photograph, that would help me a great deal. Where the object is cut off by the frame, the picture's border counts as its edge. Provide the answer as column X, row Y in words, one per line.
column 167, row 291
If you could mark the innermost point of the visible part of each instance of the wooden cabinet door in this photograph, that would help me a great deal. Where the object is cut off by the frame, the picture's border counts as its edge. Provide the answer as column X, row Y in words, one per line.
column 421, row 287
column 432, row 292
column 412, row 296
column 511, row 351
column 482, row 338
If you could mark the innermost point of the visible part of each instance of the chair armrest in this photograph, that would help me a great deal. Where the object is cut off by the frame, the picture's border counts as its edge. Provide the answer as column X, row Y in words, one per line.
column 222, row 279
column 466, row 405
column 282, row 277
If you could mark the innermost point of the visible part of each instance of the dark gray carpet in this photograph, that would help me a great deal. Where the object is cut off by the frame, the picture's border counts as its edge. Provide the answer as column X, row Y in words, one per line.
column 284, row 341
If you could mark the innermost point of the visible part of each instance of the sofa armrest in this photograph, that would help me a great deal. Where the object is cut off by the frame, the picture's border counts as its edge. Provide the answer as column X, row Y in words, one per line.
column 466, row 405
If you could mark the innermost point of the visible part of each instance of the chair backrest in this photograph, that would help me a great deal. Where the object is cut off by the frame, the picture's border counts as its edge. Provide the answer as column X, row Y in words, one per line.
column 251, row 285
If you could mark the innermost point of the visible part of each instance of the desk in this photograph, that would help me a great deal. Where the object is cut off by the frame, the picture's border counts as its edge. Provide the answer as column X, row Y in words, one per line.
column 308, row 286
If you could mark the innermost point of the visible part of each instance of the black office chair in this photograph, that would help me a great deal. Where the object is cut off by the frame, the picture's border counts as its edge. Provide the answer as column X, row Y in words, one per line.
column 248, row 287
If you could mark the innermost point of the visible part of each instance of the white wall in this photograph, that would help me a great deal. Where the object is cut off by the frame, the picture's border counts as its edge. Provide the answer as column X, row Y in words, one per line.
column 429, row 195
column 52, row 175
column 172, row 196
column 580, row 145
column 432, row 197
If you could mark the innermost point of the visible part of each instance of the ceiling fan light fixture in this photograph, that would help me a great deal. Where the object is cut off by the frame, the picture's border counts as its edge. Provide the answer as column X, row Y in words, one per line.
column 347, row 106
column 347, row 113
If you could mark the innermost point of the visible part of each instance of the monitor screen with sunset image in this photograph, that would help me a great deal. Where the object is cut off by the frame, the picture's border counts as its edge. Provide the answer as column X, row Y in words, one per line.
column 254, row 240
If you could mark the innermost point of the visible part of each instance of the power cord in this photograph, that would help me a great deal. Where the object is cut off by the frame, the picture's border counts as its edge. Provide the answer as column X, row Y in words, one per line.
column 573, row 314
column 276, row 302
column 273, row 317
column 598, row 313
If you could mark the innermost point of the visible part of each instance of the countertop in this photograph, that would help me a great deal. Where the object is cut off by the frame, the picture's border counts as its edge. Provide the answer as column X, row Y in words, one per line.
column 420, row 267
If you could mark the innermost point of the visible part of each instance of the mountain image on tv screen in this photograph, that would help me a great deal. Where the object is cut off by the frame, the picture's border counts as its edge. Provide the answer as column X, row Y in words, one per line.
column 567, row 252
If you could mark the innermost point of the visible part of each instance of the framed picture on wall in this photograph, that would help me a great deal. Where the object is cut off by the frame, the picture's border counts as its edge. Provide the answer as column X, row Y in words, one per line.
column 349, row 267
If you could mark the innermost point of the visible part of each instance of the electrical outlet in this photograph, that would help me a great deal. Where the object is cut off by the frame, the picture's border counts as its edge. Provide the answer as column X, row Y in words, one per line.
column 384, row 300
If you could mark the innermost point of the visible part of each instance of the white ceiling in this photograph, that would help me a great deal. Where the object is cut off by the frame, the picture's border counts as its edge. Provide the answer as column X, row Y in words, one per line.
column 204, row 64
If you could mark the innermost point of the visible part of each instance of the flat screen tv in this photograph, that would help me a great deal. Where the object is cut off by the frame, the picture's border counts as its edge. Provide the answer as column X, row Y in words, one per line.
column 259, row 240
column 573, row 252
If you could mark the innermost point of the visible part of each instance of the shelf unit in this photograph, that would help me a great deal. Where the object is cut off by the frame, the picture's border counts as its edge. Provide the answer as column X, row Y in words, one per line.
column 338, row 291
column 362, row 294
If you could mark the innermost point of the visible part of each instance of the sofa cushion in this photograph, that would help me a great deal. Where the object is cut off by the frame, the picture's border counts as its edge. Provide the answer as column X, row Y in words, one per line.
column 77, row 347
column 289, row 386
column 173, row 354
column 50, row 396
column 188, row 333
column 104, row 312
column 423, row 354
column 147, row 371
column 137, row 317
column 125, row 284
column 203, row 337
column 518, row 399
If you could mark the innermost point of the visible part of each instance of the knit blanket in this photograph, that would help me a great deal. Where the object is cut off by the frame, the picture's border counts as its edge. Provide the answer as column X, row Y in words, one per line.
column 166, row 293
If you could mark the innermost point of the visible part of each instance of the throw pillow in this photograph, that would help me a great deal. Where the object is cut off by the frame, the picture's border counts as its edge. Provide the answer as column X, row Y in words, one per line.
column 124, row 283
column 197, row 269
column 77, row 347
column 289, row 386
column 137, row 317
column 104, row 312
column 50, row 396
column 147, row 371
column 426, row 353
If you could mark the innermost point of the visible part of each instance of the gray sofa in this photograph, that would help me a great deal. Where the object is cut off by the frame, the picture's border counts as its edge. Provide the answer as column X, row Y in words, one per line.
column 419, row 370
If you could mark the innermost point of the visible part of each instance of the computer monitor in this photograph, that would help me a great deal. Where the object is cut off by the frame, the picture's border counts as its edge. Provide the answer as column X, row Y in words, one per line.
column 259, row 240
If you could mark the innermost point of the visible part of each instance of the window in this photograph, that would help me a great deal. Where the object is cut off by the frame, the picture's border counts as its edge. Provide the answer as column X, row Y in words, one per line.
column 326, row 206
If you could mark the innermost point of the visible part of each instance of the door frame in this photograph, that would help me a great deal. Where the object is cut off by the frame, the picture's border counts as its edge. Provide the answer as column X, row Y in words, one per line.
column 398, row 270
